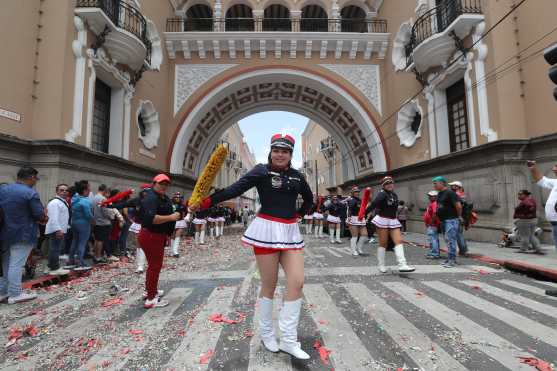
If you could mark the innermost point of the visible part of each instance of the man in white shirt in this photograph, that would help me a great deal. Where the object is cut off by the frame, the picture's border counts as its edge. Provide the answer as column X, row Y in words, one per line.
column 551, row 203
column 56, row 228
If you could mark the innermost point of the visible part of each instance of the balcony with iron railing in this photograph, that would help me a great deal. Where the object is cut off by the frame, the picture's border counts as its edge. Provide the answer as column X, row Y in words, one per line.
column 434, row 33
column 120, row 28
column 276, row 35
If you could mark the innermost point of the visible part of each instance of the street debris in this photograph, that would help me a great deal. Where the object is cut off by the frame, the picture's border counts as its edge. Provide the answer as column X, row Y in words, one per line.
column 537, row 363
column 206, row 357
column 323, row 352
column 219, row 318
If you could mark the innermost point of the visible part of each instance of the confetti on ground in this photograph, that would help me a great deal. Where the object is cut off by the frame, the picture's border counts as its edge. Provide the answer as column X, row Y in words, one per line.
column 219, row 318
column 537, row 363
column 205, row 357
column 323, row 352
column 110, row 302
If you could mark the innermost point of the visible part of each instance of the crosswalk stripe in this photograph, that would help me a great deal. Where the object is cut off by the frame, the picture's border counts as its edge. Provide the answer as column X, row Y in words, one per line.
column 332, row 251
column 401, row 330
column 202, row 336
column 261, row 359
column 348, row 352
column 311, row 254
column 548, row 310
column 151, row 323
column 528, row 288
column 172, row 276
column 476, row 336
column 372, row 270
column 343, row 250
column 520, row 322
column 549, row 284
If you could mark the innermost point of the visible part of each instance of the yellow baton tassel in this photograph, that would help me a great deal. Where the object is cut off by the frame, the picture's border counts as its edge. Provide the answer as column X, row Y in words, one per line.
column 207, row 177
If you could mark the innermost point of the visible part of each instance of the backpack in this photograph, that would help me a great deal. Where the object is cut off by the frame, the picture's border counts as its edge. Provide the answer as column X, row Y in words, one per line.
column 469, row 216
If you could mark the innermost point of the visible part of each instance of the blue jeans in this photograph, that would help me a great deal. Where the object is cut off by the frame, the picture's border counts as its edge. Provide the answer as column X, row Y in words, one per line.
column 451, row 227
column 54, row 246
column 81, row 234
column 13, row 260
column 460, row 241
column 554, row 225
column 123, row 240
column 433, row 236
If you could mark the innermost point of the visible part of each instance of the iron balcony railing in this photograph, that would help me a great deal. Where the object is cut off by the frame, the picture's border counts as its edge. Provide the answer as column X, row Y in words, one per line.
column 278, row 24
column 437, row 20
column 122, row 16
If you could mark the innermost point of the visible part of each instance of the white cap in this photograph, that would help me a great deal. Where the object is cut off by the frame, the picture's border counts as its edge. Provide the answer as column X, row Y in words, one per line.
column 433, row 193
column 456, row 183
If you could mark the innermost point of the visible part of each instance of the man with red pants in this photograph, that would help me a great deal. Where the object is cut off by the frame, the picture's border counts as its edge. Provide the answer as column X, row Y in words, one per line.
column 157, row 223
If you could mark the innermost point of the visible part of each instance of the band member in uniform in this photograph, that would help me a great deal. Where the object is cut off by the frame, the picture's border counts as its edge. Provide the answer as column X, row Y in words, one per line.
column 157, row 223
column 386, row 204
column 333, row 217
column 200, row 221
column 177, row 201
column 220, row 216
column 318, row 217
column 212, row 221
column 275, row 237
column 358, row 230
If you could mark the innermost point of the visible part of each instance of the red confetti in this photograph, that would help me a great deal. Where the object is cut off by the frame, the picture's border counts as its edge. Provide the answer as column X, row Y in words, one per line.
column 31, row 331
column 248, row 333
column 420, row 294
column 537, row 363
column 124, row 351
column 15, row 333
column 219, row 318
column 110, row 302
column 475, row 287
column 135, row 332
column 182, row 332
column 204, row 359
column 482, row 272
column 323, row 322
column 22, row 356
column 323, row 352
column 105, row 363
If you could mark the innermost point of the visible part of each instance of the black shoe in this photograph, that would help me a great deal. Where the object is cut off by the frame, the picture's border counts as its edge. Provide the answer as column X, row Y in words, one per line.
column 176, row 255
column 539, row 252
column 551, row 292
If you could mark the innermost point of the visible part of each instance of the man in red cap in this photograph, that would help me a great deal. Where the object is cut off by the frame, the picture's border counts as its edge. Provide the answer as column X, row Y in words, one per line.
column 158, row 219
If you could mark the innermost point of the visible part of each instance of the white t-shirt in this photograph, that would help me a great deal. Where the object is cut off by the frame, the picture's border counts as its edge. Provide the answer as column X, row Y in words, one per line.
column 58, row 216
column 551, row 184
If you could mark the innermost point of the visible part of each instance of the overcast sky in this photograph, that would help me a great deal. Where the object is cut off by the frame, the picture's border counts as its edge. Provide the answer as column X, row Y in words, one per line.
column 259, row 128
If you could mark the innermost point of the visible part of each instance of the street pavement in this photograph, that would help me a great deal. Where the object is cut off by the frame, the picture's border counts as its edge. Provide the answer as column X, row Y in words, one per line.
column 475, row 316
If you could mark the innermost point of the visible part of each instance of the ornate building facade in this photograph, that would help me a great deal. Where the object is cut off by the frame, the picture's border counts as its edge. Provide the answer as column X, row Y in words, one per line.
column 115, row 90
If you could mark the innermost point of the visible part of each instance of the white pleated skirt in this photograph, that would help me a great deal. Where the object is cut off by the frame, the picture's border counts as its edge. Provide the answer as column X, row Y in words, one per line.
column 308, row 217
column 199, row 221
column 212, row 220
column 317, row 216
column 135, row 228
column 387, row 223
column 353, row 220
column 265, row 233
column 181, row 224
column 333, row 219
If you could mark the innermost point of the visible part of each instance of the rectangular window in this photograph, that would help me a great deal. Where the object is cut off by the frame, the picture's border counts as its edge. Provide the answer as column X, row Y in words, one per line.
column 458, row 118
column 101, row 117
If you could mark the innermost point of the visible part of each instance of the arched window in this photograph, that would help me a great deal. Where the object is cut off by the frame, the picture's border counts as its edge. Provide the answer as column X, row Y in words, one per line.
column 239, row 18
column 314, row 19
column 353, row 19
column 277, row 18
column 199, row 18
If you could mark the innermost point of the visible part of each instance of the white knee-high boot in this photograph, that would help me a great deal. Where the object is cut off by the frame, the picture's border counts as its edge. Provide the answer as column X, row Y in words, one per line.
column 402, row 266
column 202, row 237
column 176, row 247
column 288, row 323
column 266, row 329
column 316, row 231
column 321, row 235
column 353, row 242
column 360, row 244
column 221, row 230
column 310, row 228
column 381, row 259
column 140, row 260
column 331, row 235
column 196, row 237
column 338, row 234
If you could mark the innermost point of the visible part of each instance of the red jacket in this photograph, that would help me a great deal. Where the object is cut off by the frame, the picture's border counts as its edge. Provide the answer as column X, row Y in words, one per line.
column 429, row 216
column 526, row 209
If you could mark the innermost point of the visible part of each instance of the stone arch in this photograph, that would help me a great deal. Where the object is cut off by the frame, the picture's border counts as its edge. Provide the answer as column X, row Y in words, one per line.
column 320, row 3
column 248, row 3
column 357, row 3
column 267, row 3
column 193, row 8
column 287, row 88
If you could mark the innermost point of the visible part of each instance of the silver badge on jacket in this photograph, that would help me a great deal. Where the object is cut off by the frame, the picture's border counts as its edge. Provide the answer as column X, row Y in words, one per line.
column 276, row 182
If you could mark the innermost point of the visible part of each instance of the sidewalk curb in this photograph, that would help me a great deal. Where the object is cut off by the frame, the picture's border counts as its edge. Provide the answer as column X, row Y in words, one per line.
column 510, row 264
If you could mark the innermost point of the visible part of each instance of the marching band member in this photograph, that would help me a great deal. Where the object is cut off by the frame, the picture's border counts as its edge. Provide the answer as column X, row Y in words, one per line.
column 386, row 204
column 318, row 218
column 200, row 221
column 181, row 225
column 358, row 229
column 333, row 217
column 275, row 237
column 221, row 212
column 212, row 221
column 308, row 222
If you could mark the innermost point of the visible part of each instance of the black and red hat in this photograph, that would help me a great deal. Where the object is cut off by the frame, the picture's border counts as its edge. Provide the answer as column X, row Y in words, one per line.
column 282, row 141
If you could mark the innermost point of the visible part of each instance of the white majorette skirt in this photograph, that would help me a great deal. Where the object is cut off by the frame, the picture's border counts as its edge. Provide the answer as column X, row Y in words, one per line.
column 308, row 217
column 181, row 224
column 199, row 221
column 221, row 219
column 387, row 223
column 267, row 232
column 135, row 228
column 353, row 220
column 211, row 220
column 333, row 219
column 317, row 216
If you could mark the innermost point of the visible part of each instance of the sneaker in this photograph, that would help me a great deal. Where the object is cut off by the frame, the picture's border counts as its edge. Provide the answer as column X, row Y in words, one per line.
column 434, row 257
column 82, row 268
column 59, row 272
column 160, row 294
column 176, row 255
column 449, row 264
column 139, row 270
column 69, row 267
column 372, row 240
column 155, row 303
column 521, row 252
column 113, row 259
column 539, row 252
column 24, row 296
column 64, row 257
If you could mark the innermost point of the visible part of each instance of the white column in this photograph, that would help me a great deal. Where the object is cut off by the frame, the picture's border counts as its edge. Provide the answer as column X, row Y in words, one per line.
column 116, row 131
column 442, row 122
column 217, row 16
column 431, row 123
column 127, row 124
column 334, row 25
column 79, row 82
column 470, row 101
column 90, row 97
